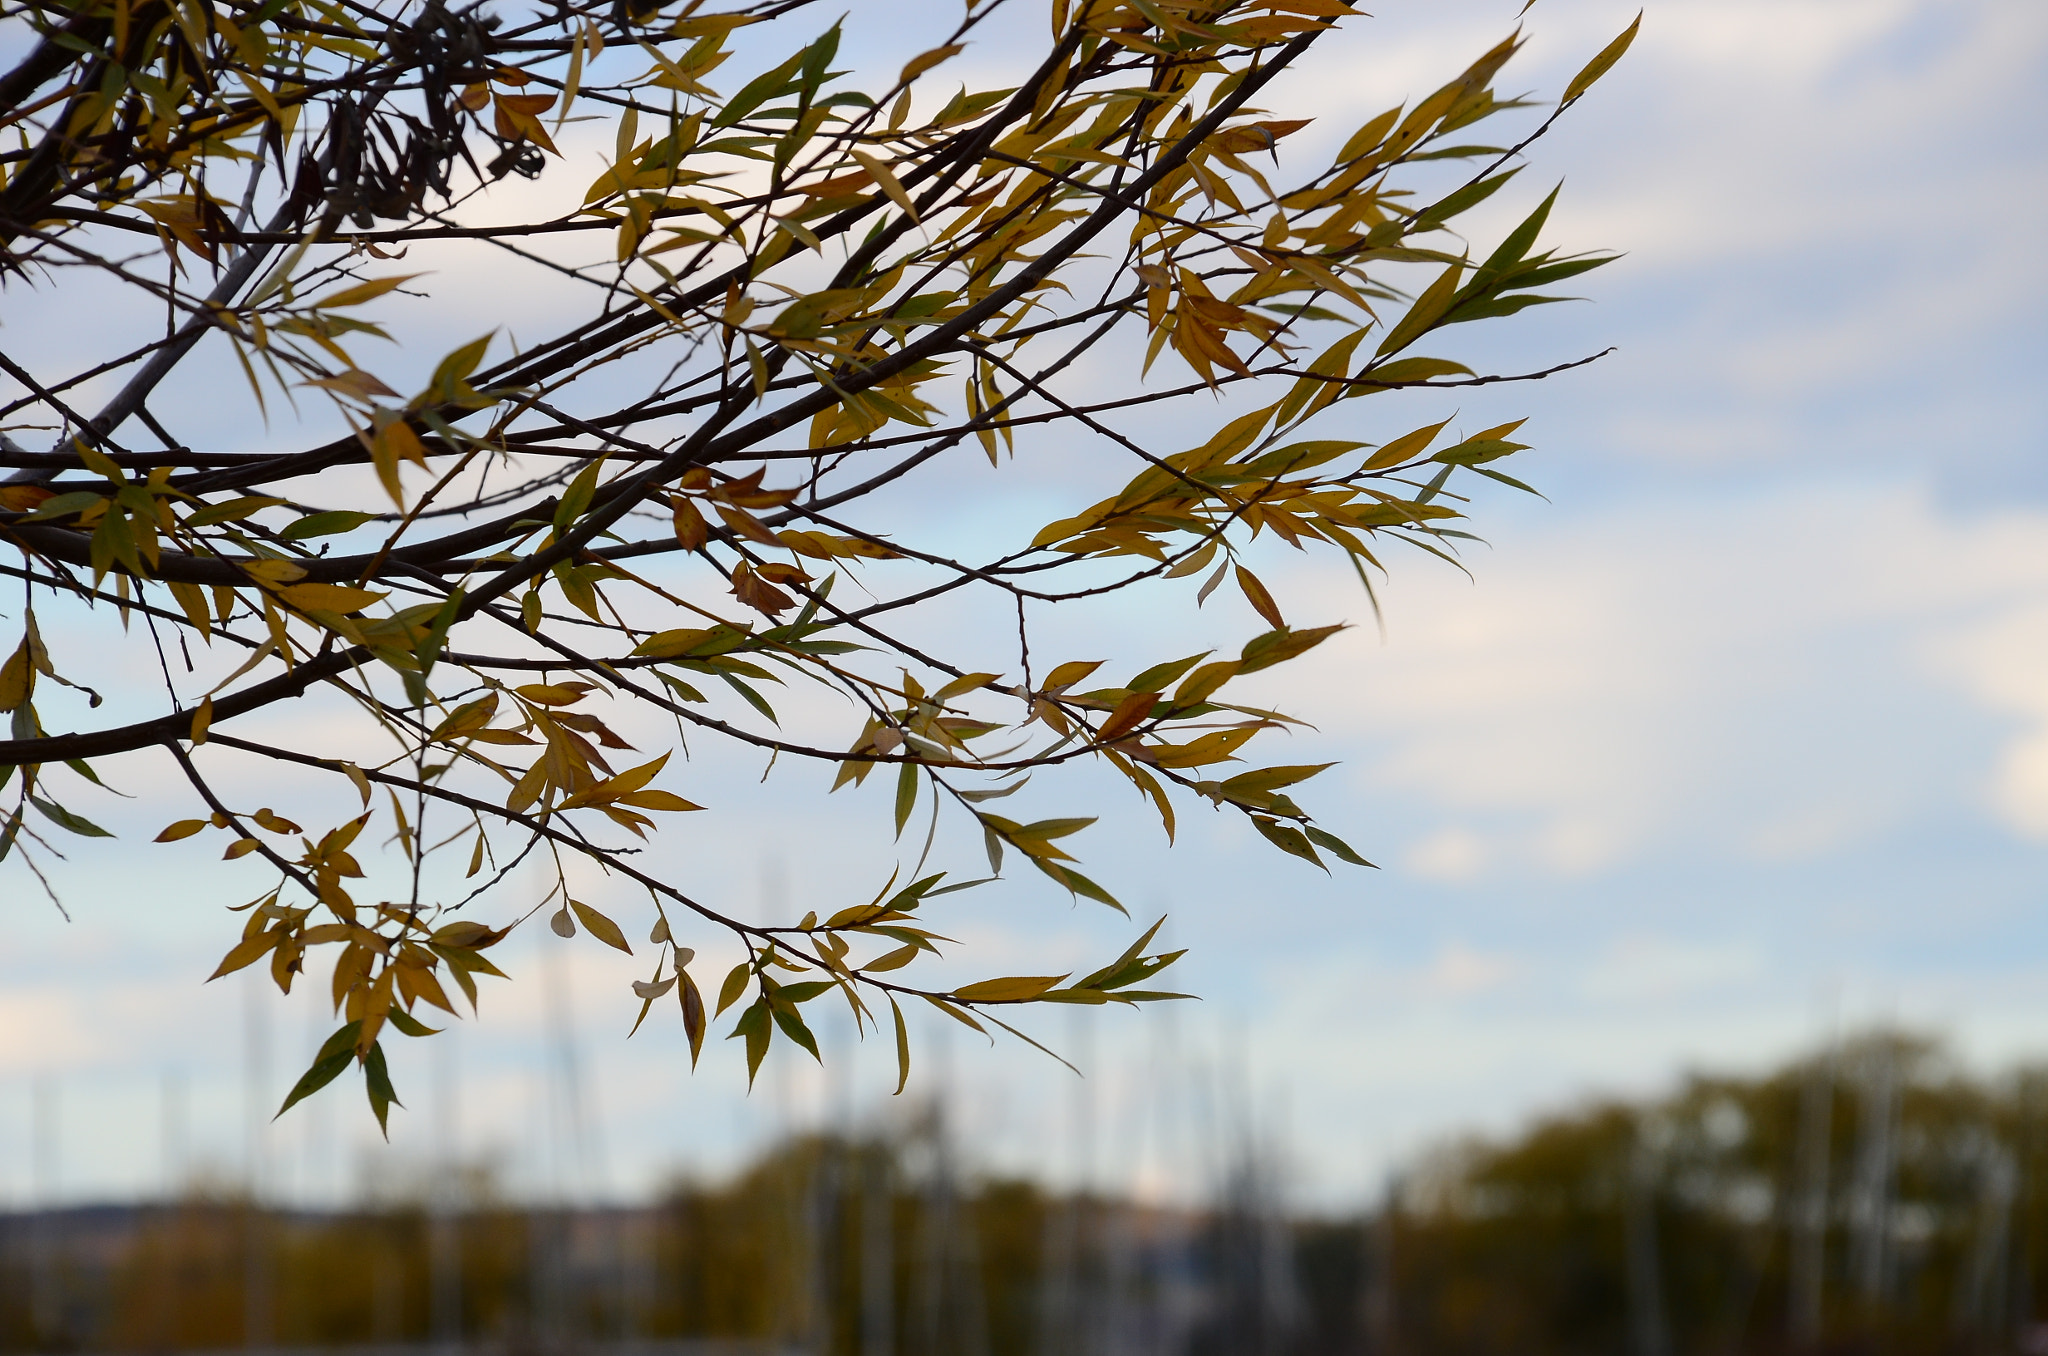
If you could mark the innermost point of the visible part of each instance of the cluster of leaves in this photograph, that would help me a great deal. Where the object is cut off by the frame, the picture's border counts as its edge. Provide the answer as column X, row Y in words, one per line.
column 816, row 291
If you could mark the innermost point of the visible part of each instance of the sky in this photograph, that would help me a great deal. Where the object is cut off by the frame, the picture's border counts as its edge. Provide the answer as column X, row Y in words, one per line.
column 1736, row 738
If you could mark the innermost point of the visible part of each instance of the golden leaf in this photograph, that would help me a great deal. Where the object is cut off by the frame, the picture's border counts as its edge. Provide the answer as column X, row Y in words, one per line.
column 601, row 927
column 328, row 597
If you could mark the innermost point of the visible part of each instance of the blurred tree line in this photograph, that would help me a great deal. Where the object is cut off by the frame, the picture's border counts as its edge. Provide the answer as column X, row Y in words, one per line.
column 1872, row 1198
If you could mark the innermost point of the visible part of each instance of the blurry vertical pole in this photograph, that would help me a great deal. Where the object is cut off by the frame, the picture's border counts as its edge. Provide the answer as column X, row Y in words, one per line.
column 46, row 1304
column 1084, row 1306
column 1381, row 1313
column 256, row 1240
column 171, row 1136
column 1118, row 1321
column 569, row 1120
column 935, row 1217
column 878, row 1250
column 1809, row 1202
column 1875, row 1153
column 165, row 1287
column 543, row 1194
column 1175, row 1297
column 1281, row 1305
column 319, row 1172
column 825, row 1196
column 1979, row 1300
column 1648, row 1334
column 971, row 1303
column 2019, row 1263
column 444, row 1237
column 1059, row 1302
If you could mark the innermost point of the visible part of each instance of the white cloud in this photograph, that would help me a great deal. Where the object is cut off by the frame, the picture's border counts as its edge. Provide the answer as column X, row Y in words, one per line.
column 1454, row 855
column 2004, row 662
column 1459, row 971
column 1761, row 679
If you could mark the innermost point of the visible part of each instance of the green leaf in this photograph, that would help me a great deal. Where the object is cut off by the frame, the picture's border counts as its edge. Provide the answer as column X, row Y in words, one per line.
column 1336, row 845
column 451, row 376
column 906, row 794
column 335, row 1053
column 902, row 1048
column 64, row 819
column 1406, row 371
column 1463, row 200
column 1425, row 312
column 325, row 524
column 409, row 1024
column 735, row 985
column 965, row 1019
column 1277, row 647
column 759, row 90
column 1132, row 953
column 1520, row 240
column 792, row 1023
column 1160, row 676
column 1077, row 883
column 755, row 699
column 377, row 1084
column 232, row 510
column 576, row 499
column 755, row 1027
column 1287, row 838
column 1273, row 778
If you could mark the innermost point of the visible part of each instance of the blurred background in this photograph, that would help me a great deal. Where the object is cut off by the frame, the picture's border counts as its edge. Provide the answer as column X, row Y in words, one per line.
column 1690, row 1010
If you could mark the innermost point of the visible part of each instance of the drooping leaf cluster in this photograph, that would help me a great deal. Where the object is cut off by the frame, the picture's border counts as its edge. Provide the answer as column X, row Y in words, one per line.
column 800, row 291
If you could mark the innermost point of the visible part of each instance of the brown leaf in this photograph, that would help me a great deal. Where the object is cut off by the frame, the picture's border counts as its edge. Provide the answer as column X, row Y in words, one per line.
column 758, row 593
column 1129, row 714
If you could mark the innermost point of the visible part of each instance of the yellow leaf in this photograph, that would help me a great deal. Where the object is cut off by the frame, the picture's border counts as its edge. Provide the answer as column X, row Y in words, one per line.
column 658, row 800
column 601, row 927
column 1015, row 989
column 269, row 819
column 1070, row 673
column 887, row 180
column 1599, row 65
column 202, row 721
column 360, row 385
column 362, row 783
column 1404, row 447
column 1255, row 593
column 691, row 529
column 924, row 61
column 241, row 847
column 554, row 694
column 247, row 952
column 273, row 572
column 17, row 678
column 1215, row 747
column 184, row 828
column 328, row 597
